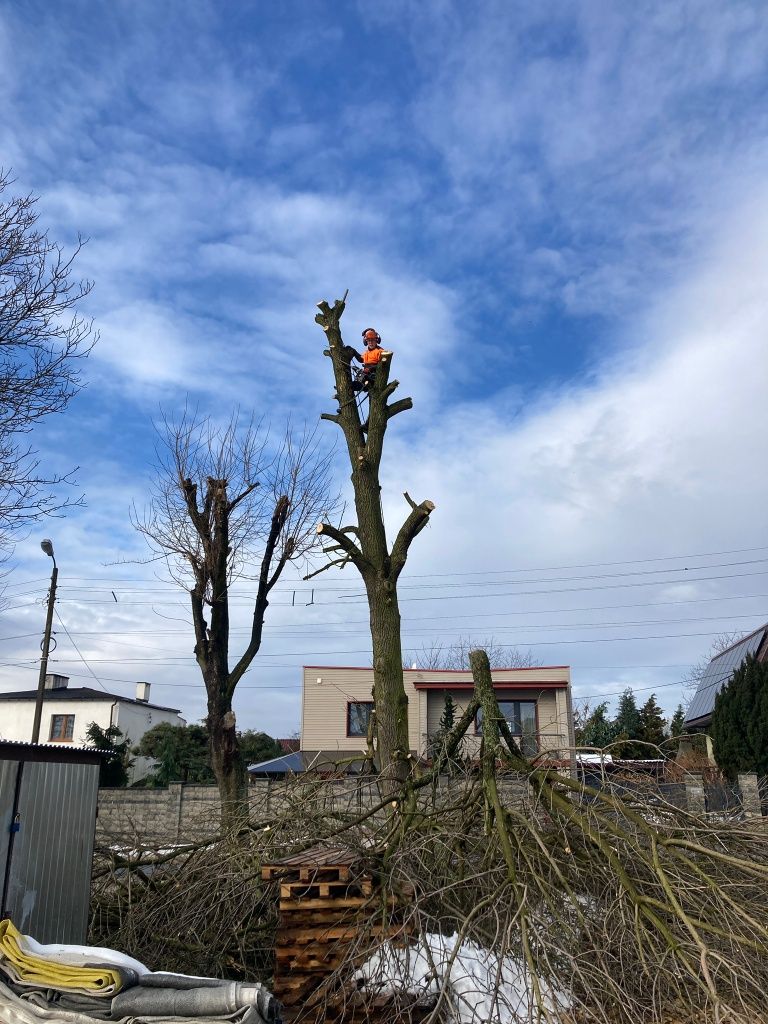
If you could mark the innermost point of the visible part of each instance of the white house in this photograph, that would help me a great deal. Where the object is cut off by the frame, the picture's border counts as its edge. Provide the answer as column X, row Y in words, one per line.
column 69, row 710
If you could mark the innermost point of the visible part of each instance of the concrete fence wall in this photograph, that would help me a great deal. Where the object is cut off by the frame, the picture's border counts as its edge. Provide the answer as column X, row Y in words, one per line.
column 185, row 813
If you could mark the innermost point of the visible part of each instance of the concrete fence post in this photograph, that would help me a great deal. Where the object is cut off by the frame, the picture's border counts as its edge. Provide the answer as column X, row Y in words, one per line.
column 750, row 795
column 695, row 798
column 175, row 802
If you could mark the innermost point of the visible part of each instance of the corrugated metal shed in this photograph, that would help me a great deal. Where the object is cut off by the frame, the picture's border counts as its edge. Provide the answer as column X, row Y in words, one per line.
column 717, row 674
column 48, row 797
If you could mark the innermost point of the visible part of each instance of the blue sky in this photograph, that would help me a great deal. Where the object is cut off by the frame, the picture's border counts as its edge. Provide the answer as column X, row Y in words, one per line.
column 555, row 214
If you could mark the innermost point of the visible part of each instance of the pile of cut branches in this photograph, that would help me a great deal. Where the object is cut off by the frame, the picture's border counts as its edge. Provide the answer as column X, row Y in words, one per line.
column 602, row 909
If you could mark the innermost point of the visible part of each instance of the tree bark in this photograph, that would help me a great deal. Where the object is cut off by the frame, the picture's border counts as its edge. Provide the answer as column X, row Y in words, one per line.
column 388, row 687
column 227, row 762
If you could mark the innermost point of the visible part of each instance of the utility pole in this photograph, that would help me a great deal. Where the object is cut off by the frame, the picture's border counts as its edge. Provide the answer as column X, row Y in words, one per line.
column 47, row 547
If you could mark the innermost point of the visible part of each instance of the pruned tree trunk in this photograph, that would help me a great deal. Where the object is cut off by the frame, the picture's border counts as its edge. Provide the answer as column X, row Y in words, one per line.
column 365, row 543
column 227, row 763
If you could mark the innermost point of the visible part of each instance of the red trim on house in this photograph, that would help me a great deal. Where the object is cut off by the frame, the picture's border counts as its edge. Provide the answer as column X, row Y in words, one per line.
column 533, row 684
column 443, row 671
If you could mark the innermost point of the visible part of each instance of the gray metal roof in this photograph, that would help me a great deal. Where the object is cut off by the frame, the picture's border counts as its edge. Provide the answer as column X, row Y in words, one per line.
column 307, row 760
column 717, row 674
column 22, row 750
column 287, row 764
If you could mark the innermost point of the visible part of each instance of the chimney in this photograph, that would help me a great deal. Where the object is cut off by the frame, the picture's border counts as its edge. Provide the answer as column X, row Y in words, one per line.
column 55, row 682
column 142, row 692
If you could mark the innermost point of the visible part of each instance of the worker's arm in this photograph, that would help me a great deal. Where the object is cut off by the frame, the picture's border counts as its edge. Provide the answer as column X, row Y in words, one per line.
column 350, row 354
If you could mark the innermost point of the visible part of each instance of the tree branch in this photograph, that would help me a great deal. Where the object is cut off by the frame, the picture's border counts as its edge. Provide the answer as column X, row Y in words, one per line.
column 413, row 525
column 244, row 494
column 339, row 537
column 265, row 585
column 400, row 406
column 329, row 565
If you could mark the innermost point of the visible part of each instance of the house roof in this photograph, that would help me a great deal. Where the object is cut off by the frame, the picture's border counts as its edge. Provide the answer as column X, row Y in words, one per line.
column 308, row 760
column 81, row 693
column 718, row 673
column 291, row 745
column 498, row 684
column 448, row 671
column 20, row 750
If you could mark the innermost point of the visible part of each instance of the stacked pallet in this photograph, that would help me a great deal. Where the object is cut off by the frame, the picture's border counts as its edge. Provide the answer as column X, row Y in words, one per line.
column 330, row 914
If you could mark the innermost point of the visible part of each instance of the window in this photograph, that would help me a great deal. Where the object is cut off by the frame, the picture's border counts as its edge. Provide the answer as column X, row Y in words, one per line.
column 520, row 716
column 62, row 728
column 358, row 716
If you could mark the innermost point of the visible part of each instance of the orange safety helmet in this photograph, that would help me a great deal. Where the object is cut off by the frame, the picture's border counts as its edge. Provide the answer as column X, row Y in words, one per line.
column 370, row 335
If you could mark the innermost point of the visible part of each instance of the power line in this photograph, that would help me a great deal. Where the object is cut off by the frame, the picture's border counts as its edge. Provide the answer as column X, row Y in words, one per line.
column 174, row 659
column 361, row 598
column 344, row 624
column 78, row 650
column 301, row 634
column 297, row 588
column 475, row 572
column 298, row 686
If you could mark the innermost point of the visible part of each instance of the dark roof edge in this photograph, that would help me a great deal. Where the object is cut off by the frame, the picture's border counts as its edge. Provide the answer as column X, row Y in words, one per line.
column 747, row 636
column 87, row 693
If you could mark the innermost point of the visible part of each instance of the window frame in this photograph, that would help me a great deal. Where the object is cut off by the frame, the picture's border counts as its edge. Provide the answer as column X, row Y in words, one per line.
column 510, row 723
column 67, row 731
column 357, row 703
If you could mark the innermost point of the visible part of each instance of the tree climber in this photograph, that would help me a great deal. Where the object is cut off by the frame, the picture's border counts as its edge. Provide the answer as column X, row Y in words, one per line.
column 370, row 358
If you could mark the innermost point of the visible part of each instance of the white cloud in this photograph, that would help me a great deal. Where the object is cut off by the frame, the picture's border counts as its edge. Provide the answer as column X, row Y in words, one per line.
column 659, row 455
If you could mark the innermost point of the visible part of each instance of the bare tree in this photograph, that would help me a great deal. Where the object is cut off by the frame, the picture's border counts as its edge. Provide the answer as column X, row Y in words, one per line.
column 42, row 340
column 226, row 506
column 692, row 677
column 364, row 544
column 456, row 655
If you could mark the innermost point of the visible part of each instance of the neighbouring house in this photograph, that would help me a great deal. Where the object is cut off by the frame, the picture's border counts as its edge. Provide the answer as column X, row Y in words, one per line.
column 336, row 706
column 69, row 710
column 291, row 745
column 717, row 675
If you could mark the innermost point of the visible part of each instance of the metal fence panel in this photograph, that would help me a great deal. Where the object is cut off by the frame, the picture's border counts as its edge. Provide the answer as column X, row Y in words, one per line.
column 8, row 772
column 722, row 797
column 51, row 870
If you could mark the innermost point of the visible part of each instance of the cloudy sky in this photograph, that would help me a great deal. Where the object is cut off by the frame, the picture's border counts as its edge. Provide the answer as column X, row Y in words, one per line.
column 557, row 217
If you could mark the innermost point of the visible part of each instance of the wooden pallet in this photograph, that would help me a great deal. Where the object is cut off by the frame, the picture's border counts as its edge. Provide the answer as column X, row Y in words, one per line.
column 306, row 872
column 330, row 910
column 313, row 889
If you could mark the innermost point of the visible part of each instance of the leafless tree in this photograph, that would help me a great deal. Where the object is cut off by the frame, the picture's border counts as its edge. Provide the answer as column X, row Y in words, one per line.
column 226, row 505
column 42, row 342
column 692, row 677
column 456, row 655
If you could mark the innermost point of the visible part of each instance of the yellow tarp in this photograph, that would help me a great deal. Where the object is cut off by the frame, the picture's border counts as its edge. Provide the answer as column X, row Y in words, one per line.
column 31, row 969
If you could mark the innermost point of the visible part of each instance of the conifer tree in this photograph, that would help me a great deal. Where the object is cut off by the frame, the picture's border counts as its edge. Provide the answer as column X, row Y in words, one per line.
column 597, row 729
column 627, row 726
column 677, row 722
column 652, row 725
column 740, row 720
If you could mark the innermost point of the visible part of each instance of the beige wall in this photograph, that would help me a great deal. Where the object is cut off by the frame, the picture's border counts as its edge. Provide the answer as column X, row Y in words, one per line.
column 327, row 690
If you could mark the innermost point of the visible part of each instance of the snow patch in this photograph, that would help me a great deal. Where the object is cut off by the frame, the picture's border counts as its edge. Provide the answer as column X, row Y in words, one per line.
column 479, row 986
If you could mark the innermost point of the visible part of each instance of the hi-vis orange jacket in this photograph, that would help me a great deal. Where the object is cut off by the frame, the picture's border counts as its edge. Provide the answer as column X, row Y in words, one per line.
column 372, row 357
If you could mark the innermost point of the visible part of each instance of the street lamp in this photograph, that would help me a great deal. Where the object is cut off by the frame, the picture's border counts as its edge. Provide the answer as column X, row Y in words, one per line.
column 47, row 547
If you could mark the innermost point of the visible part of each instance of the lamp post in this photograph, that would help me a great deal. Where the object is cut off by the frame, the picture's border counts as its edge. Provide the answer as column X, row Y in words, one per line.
column 47, row 547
